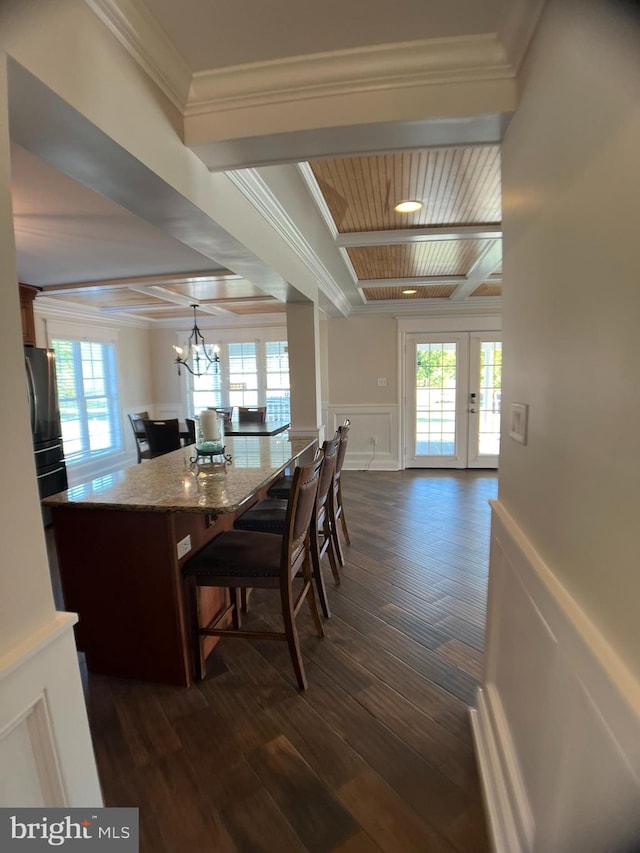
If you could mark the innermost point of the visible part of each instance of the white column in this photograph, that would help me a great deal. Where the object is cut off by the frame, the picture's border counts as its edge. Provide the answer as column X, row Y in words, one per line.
column 303, row 336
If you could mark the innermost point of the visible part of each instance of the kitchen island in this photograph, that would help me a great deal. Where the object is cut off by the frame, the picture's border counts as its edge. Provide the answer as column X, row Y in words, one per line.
column 122, row 539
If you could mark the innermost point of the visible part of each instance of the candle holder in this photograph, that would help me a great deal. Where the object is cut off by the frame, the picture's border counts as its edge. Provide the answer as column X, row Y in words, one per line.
column 214, row 451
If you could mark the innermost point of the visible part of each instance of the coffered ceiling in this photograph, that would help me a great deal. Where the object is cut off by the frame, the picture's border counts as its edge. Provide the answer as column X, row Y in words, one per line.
column 88, row 252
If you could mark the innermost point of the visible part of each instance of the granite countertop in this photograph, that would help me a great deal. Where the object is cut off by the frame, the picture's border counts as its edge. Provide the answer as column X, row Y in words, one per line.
column 170, row 484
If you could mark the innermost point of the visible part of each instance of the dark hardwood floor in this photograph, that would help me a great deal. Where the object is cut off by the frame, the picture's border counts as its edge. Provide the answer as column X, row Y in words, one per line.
column 377, row 754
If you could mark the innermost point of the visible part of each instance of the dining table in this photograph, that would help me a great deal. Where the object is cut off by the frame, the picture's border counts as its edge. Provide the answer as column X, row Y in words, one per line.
column 122, row 541
column 252, row 428
column 236, row 427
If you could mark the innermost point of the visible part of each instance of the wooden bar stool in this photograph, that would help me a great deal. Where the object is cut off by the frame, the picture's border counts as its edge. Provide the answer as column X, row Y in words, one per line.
column 280, row 490
column 242, row 559
column 268, row 516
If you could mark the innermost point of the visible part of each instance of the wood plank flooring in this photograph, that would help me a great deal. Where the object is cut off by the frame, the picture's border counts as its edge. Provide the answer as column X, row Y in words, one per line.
column 377, row 754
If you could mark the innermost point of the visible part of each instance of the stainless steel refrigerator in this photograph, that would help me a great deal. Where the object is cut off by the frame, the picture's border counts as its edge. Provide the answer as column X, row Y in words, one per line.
column 45, row 423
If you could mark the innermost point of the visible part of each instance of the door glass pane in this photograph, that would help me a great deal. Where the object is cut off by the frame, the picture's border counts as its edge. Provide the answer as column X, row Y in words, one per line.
column 490, row 384
column 436, row 399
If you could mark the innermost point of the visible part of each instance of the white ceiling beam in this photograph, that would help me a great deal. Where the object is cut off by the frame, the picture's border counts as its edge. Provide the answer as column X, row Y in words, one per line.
column 412, row 282
column 481, row 271
column 179, row 299
column 167, row 279
column 418, row 235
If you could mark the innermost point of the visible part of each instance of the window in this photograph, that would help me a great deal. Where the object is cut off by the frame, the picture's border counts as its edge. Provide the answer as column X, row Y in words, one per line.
column 277, row 381
column 88, row 398
column 252, row 373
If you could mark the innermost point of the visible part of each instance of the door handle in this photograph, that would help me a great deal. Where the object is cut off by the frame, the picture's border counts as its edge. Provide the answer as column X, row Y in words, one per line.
column 473, row 411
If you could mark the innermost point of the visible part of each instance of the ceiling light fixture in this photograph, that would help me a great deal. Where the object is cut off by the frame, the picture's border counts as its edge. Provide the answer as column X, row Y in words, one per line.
column 409, row 292
column 409, row 205
column 196, row 356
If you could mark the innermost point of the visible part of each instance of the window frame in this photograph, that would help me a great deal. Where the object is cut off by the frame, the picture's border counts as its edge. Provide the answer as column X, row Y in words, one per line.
column 77, row 335
column 223, row 338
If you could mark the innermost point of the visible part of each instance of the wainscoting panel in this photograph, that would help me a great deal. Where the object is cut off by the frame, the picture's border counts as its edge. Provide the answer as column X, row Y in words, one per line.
column 557, row 728
column 44, row 733
column 367, row 422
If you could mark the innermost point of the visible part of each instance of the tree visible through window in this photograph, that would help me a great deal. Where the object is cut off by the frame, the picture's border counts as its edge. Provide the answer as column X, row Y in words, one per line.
column 88, row 398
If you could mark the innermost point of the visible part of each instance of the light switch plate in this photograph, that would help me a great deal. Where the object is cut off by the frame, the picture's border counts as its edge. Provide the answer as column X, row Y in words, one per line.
column 382, row 381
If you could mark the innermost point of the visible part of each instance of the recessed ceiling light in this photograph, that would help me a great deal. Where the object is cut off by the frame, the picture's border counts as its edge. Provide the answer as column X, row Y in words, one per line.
column 409, row 292
column 409, row 205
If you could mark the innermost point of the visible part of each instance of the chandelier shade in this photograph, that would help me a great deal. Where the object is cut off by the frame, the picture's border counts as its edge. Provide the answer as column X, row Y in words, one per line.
column 196, row 356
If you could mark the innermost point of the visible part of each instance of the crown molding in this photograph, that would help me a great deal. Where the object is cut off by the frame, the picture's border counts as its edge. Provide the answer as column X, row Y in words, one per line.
column 140, row 34
column 518, row 28
column 255, row 190
column 436, row 308
column 365, row 69
column 316, row 194
column 487, row 56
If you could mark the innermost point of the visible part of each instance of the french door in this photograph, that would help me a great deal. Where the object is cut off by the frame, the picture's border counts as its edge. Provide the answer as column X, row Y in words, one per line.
column 453, row 396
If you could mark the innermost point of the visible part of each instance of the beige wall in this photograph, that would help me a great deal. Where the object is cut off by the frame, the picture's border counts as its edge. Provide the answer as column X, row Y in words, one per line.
column 166, row 384
column 324, row 357
column 360, row 350
column 571, row 307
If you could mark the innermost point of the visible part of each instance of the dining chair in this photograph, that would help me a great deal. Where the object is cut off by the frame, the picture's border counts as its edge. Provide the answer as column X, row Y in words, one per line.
column 252, row 414
column 269, row 516
column 227, row 411
column 142, row 445
column 163, row 436
column 191, row 430
column 243, row 559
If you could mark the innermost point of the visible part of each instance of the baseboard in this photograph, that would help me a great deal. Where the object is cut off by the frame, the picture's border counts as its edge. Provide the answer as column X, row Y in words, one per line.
column 498, row 795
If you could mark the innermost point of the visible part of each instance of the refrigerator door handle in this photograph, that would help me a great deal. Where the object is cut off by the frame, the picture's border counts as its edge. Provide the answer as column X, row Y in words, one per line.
column 31, row 391
column 49, row 473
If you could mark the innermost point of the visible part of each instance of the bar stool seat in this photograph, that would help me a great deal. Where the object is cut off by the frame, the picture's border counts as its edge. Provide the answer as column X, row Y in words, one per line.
column 280, row 490
column 237, row 555
column 267, row 516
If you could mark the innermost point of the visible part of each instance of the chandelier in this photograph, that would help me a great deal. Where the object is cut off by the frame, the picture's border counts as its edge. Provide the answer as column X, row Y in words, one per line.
column 196, row 356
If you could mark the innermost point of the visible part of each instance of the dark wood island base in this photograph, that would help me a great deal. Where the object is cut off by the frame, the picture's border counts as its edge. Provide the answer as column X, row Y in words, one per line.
column 119, row 564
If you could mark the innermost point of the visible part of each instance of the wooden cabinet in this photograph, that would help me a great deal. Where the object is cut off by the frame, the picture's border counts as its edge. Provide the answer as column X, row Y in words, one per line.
column 27, row 294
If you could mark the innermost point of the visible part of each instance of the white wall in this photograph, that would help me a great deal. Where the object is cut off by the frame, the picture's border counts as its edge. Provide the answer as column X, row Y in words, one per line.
column 558, row 726
column 44, row 734
column 571, row 307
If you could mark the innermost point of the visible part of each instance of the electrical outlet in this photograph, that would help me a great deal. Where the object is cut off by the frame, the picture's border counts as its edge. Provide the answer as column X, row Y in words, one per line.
column 183, row 546
column 373, row 440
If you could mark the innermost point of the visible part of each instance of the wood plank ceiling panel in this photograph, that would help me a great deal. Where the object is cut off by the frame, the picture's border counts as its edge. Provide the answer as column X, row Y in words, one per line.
column 488, row 288
column 106, row 297
column 458, row 185
column 410, row 260
column 434, row 291
column 204, row 291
